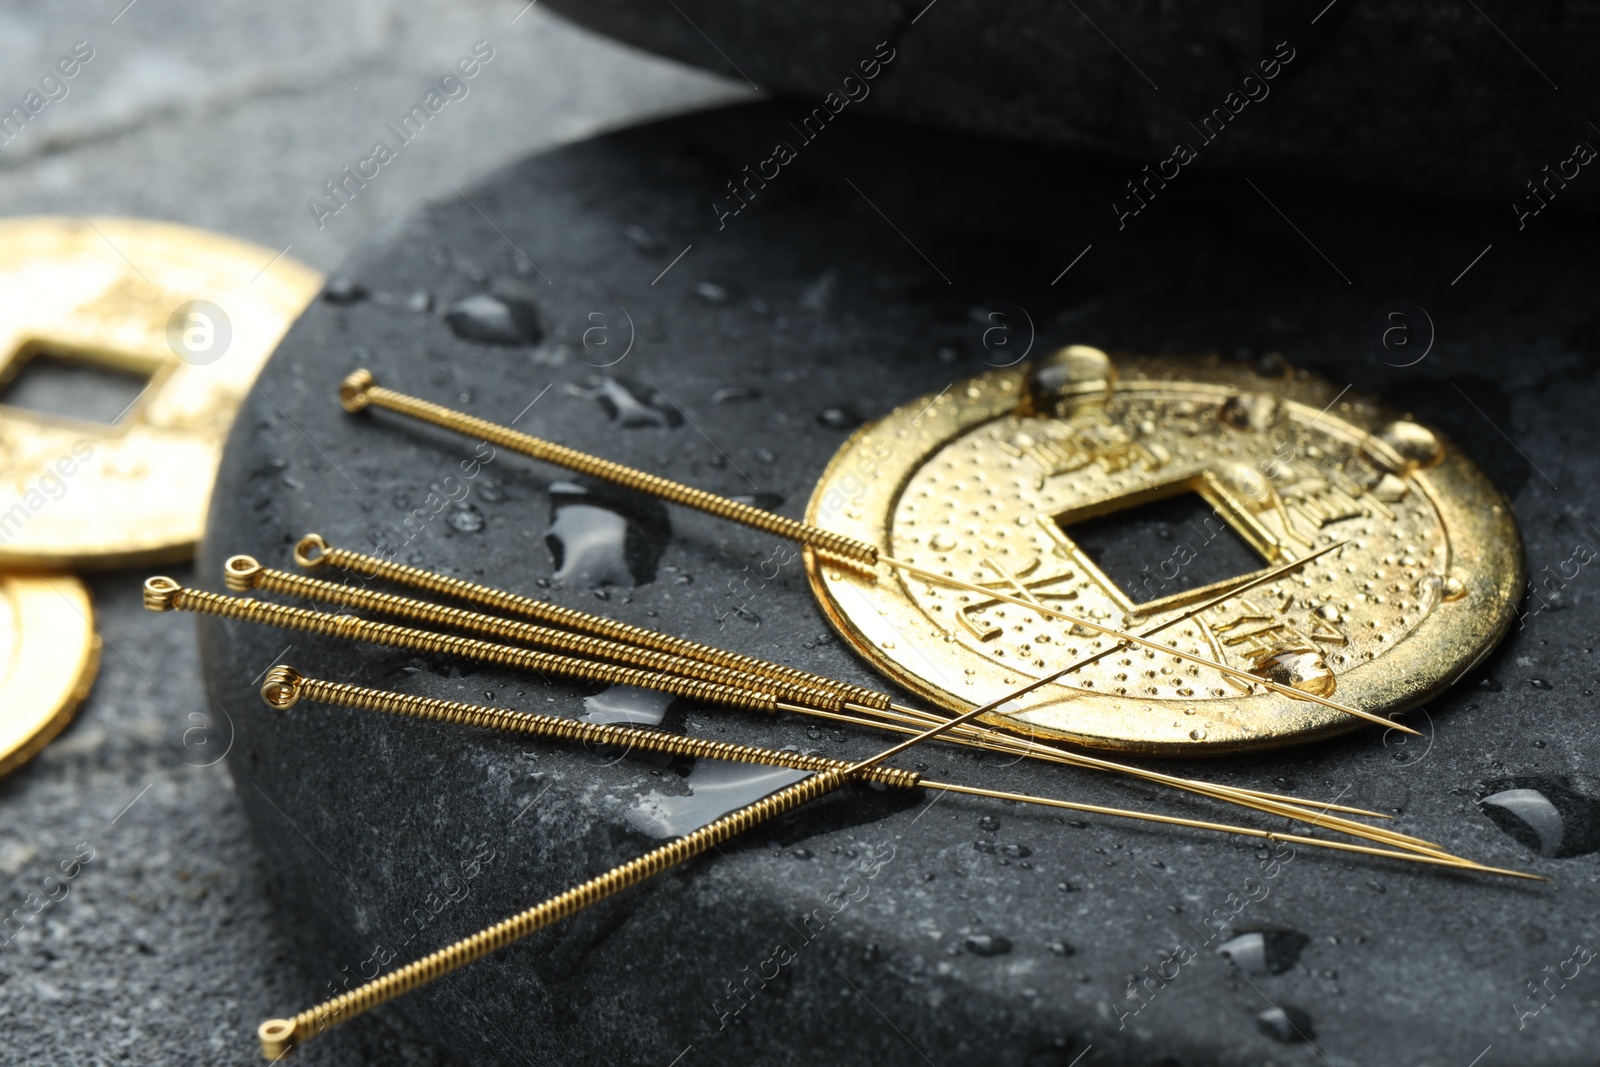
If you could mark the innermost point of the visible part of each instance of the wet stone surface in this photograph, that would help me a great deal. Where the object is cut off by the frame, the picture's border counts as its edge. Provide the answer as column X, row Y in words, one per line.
column 870, row 907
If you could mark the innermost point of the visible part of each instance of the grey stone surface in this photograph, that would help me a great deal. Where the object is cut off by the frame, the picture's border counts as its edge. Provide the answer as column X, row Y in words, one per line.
column 858, row 276
column 166, row 949
column 1442, row 100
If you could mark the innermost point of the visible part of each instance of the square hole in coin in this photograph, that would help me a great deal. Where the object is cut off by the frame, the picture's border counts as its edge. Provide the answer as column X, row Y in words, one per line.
column 71, row 384
column 1164, row 547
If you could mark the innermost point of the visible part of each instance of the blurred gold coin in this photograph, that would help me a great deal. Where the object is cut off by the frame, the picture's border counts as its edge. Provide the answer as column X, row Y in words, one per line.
column 193, row 314
column 48, row 654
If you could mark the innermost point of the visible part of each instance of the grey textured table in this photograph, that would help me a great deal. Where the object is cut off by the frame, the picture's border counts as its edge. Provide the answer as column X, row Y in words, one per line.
column 230, row 117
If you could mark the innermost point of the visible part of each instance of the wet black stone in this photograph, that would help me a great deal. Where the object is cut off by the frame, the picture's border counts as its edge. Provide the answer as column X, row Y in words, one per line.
column 1140, row 86
column 361, row 817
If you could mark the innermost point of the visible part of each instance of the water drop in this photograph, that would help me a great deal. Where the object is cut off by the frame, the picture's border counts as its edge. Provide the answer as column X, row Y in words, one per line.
column 1543, row 815
column 627, row 704
column 605, row 536
column 760, row 499
column 1267, row 950
column 734, row 393
column 941, row 542
column 344, row 291
column 420, row 301
column 1286, row 1023
column 466, row 518
column 1540, row 683
column 628, row 404
column 839, row 418
column 502, row 318
column 642, row 238
column 989, row 823
column 717, row 787
column 1061, row 948
column 987, row 944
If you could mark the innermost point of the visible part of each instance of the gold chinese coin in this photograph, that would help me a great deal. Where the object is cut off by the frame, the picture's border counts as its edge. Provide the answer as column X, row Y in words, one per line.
column 1011, row 481
column 194, row 314
column 48, row 654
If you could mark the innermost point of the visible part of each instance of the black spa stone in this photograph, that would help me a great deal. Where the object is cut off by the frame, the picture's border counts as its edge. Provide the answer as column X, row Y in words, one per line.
column 853, row 282
column 1440, row 100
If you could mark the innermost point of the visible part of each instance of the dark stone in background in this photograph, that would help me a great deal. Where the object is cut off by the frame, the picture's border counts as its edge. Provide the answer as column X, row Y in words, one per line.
column 817, row 297
column 1434, row 99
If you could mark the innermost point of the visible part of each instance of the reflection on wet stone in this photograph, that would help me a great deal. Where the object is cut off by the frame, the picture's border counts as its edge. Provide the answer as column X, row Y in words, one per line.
column 601, row 536
column 1543, row 815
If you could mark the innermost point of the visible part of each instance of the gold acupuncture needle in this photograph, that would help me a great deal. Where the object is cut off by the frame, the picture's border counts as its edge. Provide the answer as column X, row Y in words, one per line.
column 1298, row 810
column 278, row 1037
column 163, row 594
column 314, row 553
column 285, row 687
column 360, row 390
column 244, row 573
column 1135, row 639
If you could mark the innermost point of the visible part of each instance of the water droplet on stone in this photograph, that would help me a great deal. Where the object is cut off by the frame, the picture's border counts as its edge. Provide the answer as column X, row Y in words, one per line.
column 1286, row 1023
column 989, row 823
column 987, row 944
column 1543, row 815
column 344, row 291
column 420, row 301
column 1540, row 683
column 627, row 704
column 942, row 542
column 466, row 518
column 1197, row 735
column 839, row 418
column 1061, row 948
column 1016, row 851
column 717, row 787
column 1490, row 685
column 732, row 394
column 605, row 536
column 629, row 404
column 642, row 238
column 1268, row 950
column 760, row 499
column 502, row 318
